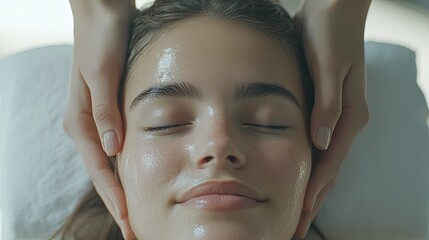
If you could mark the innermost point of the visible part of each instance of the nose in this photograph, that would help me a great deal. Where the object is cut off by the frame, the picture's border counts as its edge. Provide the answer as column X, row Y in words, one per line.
column 218, row 150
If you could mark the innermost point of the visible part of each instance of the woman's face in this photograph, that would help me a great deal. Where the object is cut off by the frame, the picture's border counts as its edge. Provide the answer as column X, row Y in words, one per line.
column 211, row 101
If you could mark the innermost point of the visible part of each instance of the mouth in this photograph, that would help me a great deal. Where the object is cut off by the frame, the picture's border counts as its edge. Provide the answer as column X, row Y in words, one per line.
column 221, row 196
column 219, row 202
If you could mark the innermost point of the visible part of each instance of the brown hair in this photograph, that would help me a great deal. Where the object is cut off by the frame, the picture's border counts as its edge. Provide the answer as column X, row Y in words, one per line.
column 267, row 16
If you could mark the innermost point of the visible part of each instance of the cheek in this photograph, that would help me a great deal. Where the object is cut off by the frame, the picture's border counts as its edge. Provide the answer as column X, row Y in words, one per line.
column 290, row 165
column 287, row 167
column 145, row 167
column 146, row 170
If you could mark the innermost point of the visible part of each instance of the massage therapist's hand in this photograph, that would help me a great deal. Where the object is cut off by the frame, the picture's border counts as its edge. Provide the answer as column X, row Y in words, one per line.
column 93, row 119
column 332, row 33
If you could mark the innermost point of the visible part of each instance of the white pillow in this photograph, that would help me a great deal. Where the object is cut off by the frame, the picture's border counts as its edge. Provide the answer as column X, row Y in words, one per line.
column 43, row 175
column 381, row 193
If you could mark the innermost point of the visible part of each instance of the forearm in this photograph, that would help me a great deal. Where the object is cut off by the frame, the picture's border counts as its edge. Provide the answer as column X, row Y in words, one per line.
column 124, row 10
column 353, row 13
column 359, row 6
column 350, row 12
column 363, row 4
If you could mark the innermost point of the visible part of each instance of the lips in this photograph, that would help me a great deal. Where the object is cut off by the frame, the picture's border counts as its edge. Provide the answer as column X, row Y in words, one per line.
column 221, row 188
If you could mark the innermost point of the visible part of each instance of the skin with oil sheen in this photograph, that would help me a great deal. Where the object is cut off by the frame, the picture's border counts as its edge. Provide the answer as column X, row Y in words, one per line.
column 173, row 143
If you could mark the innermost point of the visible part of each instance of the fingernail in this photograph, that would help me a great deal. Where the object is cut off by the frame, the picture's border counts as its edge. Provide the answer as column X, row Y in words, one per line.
column 118, row 214
column 312, row 204
column 124, row 235
column 305, row 233
column 117, row 211
column 110, row 143
column 127, row 235
column 323, row 137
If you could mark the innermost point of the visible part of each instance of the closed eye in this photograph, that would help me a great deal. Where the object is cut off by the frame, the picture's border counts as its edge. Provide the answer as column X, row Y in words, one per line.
column 275, row 127
column 161, row 128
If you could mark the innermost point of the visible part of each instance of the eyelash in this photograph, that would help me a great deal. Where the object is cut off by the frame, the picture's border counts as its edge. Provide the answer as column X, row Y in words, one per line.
column 161, row 128
column 153, row 129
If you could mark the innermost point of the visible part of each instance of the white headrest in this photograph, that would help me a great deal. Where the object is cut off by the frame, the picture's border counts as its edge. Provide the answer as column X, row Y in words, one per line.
column 381, row 192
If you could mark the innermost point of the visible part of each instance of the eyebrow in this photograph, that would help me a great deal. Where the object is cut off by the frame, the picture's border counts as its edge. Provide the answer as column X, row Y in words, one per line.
column 258, row 89
column 177, row 89
column 187, row 90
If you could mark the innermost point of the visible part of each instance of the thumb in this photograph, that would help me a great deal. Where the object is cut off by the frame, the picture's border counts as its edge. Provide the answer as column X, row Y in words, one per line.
column 328, row 84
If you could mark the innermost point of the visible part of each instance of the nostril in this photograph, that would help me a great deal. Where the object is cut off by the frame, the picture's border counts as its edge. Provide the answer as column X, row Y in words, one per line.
column 206, row 159
column 232, row 159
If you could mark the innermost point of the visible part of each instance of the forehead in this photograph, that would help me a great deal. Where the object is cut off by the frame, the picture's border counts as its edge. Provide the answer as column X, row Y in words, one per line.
column 213, row 55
